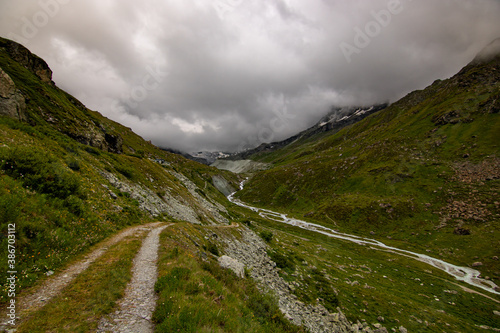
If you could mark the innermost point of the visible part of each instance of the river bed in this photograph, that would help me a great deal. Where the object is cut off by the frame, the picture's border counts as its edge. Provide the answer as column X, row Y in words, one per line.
column 465, row 274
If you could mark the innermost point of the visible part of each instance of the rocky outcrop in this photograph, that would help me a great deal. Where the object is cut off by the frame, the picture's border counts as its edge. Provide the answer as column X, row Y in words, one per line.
column 251, row 251
column 114, row 143
column 96, row 136
column 471, row 173
column 12, row 102
column 28, row 60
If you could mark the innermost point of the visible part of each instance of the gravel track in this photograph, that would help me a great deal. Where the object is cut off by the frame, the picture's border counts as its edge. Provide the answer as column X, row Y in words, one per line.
column 36, row 299
column 136, row 308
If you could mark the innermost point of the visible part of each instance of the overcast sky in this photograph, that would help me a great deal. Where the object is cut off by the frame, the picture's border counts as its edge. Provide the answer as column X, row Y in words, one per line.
column 225, row 74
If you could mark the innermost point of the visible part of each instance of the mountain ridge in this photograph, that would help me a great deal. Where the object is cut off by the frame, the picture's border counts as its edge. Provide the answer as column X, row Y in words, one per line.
column 335, row 120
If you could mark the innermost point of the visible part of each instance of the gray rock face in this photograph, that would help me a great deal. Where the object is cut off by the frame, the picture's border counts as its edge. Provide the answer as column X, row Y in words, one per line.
column 187, row 208
column 27, row 59
column 240, row 166
column 237, row 267
column 150, row 202
column 12, row 102
column 210, row 210
column 222, row 185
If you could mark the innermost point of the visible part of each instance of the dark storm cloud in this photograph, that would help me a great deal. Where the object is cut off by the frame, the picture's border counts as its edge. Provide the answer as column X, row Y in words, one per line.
column 225, row 74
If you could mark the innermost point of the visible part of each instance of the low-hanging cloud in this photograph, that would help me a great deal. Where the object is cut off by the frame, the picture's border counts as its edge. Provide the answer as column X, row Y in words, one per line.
column 229, row 74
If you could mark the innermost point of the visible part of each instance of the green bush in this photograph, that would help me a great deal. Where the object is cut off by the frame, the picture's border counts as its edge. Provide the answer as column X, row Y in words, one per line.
column 9, row 208
column 163, row 310
column 265, row 309
column 248, row 223
column 75, row 205
column 282, row 261
column 93, row 151
column 267, row 236
column 324, row 290
column 212, row 248
column 126, row 171
column 73, row 164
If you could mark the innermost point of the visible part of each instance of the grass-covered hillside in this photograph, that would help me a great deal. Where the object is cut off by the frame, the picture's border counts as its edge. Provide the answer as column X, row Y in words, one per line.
column 70, row 177
column 424, row 173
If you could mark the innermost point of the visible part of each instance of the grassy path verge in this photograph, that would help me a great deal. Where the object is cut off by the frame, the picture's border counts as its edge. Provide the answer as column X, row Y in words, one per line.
column 35, row 298
column 92, row 294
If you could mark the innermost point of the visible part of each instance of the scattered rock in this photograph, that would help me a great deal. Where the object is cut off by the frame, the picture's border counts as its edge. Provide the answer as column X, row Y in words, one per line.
column 171, row 203
column 403, row 330
column 237, row 267
column 250, row 250
column 461, row 231
column 477, row 264
column 470, row 173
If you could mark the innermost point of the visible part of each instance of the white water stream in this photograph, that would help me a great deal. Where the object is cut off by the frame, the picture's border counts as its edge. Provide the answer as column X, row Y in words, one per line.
column 465, row 274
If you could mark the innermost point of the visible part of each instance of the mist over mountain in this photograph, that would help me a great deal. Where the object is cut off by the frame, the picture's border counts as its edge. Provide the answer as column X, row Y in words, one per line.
column 229, row 75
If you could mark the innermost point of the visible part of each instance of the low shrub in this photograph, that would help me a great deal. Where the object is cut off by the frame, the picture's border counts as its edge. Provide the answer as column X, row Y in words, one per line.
column 73, row 164
column 282, row 261
column 266, row 235
column 212, row 248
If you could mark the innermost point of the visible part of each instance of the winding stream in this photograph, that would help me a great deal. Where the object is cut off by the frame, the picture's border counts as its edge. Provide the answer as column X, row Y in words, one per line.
column 465, row 274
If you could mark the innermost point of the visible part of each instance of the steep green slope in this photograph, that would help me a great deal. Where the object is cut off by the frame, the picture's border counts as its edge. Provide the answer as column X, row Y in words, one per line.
column 423, row 173
column 70, row 177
